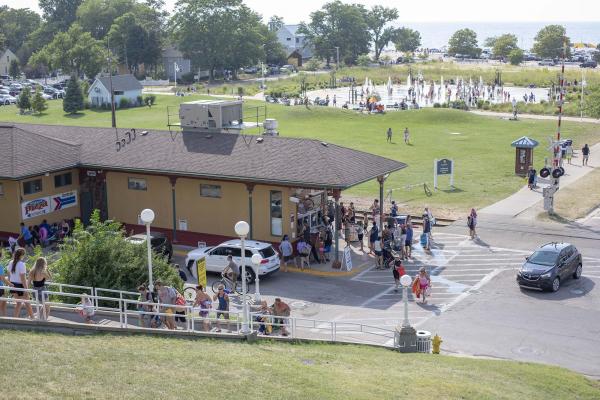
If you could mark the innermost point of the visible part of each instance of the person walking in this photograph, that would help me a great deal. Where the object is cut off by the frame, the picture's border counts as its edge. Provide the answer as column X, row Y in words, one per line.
column 18, row 279
column 389, row 135
column 37, row 279
column 203, row 301
column 585, row 154
column 409, row 239
column 26, row 236
column 422, row 285
column 167, row 296
column 303, row 249
column 231, row 271
column 472, row 223
column 406, row 136
column 287, row 252
column 3, row 282
column 223, row 305
column 569, row 153
column 378, row 250
column 398, row 271
column 531, row 173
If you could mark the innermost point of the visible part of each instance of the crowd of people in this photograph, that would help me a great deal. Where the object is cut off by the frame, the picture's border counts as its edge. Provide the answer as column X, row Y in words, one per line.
column 42, row 235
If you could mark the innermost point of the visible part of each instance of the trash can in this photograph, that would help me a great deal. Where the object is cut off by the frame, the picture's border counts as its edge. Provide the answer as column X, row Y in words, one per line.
column 423, row 342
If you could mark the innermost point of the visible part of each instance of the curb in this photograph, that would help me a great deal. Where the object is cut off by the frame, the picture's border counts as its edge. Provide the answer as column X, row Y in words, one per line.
column 334, row 273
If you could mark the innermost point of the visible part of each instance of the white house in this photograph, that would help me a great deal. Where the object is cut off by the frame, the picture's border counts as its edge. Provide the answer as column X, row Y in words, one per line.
column 172, row 56
column 294, row 42
column 6, row 56
column 124, row 86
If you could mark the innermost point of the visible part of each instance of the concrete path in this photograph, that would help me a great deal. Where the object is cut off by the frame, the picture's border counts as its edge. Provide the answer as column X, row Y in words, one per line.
column 535, row 116
column 525, row 198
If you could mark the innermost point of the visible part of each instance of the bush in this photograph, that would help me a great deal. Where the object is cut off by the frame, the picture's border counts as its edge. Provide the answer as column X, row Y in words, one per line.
column 99, row 256
column 187, row 78
column 124, row 102
column 149, row 100
column 363, row 60
column 312, row 65
column 140, row 100
column 437, row 105
column 24, row 100
column 86, row 104
column 38, row 103
column 516, row 56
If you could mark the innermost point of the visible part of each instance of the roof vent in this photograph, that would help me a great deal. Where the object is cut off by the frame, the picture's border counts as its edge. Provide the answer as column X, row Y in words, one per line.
column 325, row 144
column 144, row 133
column 208, row 136
column 259, row 140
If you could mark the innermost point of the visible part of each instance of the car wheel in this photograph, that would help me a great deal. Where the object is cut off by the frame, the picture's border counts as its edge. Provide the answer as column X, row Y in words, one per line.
column 555, row 284
column 577, row 273
column 250, row 276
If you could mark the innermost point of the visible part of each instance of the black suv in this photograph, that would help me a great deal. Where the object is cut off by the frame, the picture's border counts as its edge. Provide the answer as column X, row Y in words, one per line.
column 159, row 242
column 549, row 266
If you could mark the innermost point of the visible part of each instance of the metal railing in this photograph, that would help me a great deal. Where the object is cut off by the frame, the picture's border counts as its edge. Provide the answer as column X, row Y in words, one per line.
column 117, row 305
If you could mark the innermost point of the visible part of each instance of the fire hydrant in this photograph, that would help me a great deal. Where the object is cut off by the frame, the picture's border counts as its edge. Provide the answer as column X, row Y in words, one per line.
column 436, row 342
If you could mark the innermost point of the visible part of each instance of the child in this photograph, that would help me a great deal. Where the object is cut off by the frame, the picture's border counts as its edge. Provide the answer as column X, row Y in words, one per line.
column 87, row 310
column 398, row 271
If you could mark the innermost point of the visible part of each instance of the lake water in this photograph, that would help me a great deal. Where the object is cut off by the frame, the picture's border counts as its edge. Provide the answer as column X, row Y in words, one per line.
column 436, row 34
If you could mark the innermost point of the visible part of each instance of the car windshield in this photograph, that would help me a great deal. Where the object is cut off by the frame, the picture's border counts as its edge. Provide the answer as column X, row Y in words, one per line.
column 267, row 252
column 543, row 258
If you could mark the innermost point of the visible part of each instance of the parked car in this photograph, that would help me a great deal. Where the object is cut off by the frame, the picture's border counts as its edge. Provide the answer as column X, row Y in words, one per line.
column 159, row 242
column 588, row 64
column 6, row 99
column 287, row 68
column 216, row 257
column 250, row 70
column 550, row 266
column 547, row 63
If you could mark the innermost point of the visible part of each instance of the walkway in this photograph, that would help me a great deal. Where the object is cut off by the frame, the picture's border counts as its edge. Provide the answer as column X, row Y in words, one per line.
column 535, row 116
column 524, row 199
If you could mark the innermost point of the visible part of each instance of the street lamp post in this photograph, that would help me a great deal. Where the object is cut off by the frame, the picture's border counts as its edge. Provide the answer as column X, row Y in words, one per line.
column 405, row 281
column 405, row 338
column 147, row 217
column 241, row 229
column 257, row 260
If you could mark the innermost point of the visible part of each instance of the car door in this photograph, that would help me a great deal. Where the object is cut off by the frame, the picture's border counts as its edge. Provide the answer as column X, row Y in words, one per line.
column 563, row 265
column 573, row 261
column 216, row 259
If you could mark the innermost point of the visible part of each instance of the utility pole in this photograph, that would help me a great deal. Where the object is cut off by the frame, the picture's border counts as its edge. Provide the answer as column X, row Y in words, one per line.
column 112, row 92
column 582, row 85
column 337, row 51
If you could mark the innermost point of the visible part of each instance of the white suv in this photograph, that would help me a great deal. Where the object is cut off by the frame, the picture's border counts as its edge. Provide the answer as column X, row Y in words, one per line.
column 216, row 257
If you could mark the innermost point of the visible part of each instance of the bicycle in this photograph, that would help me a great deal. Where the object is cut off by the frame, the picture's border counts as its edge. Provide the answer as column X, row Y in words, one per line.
column 226, row 282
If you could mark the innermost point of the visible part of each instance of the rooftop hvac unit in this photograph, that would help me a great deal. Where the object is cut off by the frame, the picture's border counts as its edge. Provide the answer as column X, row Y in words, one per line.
column 271, row 126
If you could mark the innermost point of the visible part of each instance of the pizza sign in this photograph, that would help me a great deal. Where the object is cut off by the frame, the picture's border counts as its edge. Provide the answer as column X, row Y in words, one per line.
column 34, row 208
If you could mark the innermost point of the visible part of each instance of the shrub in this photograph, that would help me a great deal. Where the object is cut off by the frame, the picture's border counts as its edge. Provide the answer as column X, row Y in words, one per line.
column 149, row 100
column 24, row 100
column 437, row 105
column 187, row 78
column 124, row 102
column 99, row 256
column 140, row 100
column 73, row 100
column 38, row 103
column 363, row 60
column 312, row 65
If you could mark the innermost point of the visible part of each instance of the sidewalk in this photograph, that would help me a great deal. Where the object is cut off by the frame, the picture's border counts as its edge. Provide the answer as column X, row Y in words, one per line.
column 525, row 198
column 535, row 116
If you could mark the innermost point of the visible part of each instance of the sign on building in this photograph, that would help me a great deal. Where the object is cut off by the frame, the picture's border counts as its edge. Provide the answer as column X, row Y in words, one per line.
column 443, row 167
column 49, row 204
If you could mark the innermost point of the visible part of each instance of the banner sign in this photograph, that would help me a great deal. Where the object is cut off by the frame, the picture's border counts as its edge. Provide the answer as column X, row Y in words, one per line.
column 201, row 271
column 64, row 200
column 34, row 208
column 49, row 204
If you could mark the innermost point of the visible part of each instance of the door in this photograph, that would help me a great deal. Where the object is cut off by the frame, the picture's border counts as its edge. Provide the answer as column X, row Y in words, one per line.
column 563, row 264
column 87, row 207
column 217, row 259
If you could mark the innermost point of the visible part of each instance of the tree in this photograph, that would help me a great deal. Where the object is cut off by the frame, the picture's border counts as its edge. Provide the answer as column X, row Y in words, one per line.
column 274, row 50
column 218, row 34
column 338, row 25
column 377, row 20
column 24, row 100
column 99, row 256
column 464, row 41
column 516, row 56
column 13, row 69
column 407, row 40
column 38, row 103
column 597, row 54
column 275, row 23
column 592, row 102
column 549, row 42
column 73, row 100
column 363, row 60
column 504, row 45
column 16, row 25
column 489, row 42
column 59, row 14
column 97, row 16
column 74, row 51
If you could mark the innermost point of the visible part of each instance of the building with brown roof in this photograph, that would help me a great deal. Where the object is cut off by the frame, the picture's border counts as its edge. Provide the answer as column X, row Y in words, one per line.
column 198, row 184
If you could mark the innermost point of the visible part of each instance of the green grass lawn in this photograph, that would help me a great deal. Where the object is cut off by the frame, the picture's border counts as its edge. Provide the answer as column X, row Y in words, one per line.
column 480, row 146
column 52, row 366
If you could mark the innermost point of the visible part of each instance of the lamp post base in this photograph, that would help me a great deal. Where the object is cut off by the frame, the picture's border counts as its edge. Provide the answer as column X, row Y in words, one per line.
column 405, row 339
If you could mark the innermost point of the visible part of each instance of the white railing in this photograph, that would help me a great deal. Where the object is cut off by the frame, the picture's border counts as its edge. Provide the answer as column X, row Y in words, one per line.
column 295, row 327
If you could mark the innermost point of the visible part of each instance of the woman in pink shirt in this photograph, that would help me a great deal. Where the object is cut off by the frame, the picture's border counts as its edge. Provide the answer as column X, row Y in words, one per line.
column 421, row 285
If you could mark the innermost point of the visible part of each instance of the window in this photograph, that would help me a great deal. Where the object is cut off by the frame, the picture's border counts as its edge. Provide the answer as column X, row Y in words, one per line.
column 33, row 186
column 1, row 190
column 118, row 92
column 220, row 251
column 210, row 191
column 276, row 213
column 63, row 180
column 297, row 40
column 288, row 39
column 137, row 184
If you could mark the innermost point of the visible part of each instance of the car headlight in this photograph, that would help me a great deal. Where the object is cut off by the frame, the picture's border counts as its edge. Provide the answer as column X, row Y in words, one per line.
column 546, row 275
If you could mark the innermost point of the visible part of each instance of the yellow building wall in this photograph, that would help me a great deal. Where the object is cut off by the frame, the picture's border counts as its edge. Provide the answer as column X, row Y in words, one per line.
column 214, row 216
column 125, row 205
column 48, row 189
column 10, row 209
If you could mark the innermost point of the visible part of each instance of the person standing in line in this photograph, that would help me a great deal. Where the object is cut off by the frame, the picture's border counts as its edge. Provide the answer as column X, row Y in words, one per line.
column 472, row 223
column 394, row 209
column 18, row 279
column 373, row 234
column 378, row 250
column 360, row 232
column 222, row 307
column 406, row 136
column 203, row 301
column 3, row 282
column 287, row 252
column 389, row 135
column 26, row 236
column 37, row 279
column 409, row 239
column 585, row 154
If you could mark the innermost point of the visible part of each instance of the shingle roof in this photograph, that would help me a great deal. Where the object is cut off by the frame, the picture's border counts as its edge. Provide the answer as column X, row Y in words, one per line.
column 277, row 160
column 24, row 153
column 121, row 82
column 525, row 142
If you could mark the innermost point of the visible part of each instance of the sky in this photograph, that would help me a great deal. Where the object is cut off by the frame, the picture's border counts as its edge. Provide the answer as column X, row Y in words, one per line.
column 294, row 11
